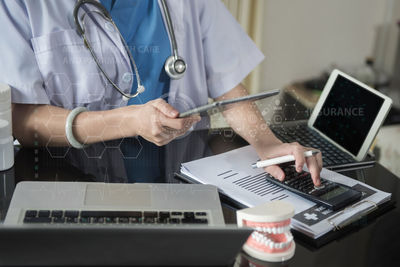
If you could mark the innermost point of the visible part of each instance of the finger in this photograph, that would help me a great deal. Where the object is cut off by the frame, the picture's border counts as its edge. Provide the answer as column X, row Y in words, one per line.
column 298, row 153
column 165, row 108
column 178, row 124
column 317, row 156
column 197, row 118
column 163, row 137
column 172, row 133
column 158, row 139
column 319, row 160
column 163, row 142
column 314, row 169
column 186, row 128
column 276, row 172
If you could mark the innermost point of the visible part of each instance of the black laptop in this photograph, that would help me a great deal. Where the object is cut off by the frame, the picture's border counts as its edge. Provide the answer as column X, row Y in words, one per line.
column 68, row 245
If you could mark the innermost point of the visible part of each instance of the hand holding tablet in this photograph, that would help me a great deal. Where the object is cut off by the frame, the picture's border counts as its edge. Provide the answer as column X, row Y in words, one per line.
column 203, row 109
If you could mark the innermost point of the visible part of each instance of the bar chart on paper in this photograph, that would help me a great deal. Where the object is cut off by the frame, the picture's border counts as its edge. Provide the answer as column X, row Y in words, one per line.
column 256, row 184
column 232, row 174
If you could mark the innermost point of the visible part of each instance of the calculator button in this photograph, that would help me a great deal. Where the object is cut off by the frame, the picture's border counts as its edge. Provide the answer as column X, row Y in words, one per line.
column 316, row 193
column 307, row 189
column 319, row 187
column 309, row 184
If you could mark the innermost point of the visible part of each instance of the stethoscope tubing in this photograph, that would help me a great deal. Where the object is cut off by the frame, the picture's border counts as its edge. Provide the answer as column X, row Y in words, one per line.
column 170, row 29
column 106, row 15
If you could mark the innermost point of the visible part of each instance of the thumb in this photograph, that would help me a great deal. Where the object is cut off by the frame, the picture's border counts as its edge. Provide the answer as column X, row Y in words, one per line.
column 165, row 108
column 276, row 172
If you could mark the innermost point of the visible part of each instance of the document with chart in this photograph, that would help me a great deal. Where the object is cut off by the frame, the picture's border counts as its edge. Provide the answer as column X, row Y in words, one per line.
column 231, row 172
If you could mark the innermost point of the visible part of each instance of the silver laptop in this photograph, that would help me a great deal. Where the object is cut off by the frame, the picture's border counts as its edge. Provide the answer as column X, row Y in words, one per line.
column 108, row 203
column 67, row 223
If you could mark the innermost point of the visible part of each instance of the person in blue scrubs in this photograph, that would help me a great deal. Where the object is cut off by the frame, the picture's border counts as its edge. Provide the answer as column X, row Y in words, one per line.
column 141, row 25
column 51, row 72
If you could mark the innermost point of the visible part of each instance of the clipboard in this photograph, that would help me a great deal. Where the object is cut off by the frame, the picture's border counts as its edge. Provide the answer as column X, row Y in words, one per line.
column 202, row 110
column 340, row 230
column 343, row 230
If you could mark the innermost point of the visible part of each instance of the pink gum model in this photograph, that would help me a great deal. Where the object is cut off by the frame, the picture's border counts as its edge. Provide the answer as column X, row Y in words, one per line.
column 272, row 239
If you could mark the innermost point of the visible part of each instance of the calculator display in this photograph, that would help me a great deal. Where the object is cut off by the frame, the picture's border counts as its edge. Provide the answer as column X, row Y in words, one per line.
column 335, row 192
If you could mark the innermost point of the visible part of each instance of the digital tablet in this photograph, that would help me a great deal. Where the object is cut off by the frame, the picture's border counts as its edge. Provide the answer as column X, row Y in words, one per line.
column 349, row 114
column 202, row 110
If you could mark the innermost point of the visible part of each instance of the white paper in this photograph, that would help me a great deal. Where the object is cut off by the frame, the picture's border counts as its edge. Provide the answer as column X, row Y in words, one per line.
column 232, row 173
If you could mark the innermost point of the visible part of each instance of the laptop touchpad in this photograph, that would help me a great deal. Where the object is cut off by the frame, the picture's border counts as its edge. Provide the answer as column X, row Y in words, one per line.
column 136, row 195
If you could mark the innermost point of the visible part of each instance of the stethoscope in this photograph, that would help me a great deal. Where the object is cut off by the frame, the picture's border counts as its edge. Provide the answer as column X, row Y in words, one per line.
column 175, row 66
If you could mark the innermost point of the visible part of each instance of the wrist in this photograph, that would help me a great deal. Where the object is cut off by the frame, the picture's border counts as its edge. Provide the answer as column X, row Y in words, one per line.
column 128, row 118
column 264, row 145
column 266, row 140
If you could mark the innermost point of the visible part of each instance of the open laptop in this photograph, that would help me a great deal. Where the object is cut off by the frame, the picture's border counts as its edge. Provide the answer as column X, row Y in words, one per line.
column 53, row 223
column 343, row 124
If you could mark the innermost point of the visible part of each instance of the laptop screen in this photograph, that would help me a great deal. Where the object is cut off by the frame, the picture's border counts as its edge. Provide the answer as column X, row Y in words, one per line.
column 348, row 114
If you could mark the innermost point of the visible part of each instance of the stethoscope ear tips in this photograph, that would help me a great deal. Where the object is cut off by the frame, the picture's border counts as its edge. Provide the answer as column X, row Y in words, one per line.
column 141, row 89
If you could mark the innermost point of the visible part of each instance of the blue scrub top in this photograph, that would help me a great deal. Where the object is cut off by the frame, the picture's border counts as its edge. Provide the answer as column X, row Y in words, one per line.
column 141, row 24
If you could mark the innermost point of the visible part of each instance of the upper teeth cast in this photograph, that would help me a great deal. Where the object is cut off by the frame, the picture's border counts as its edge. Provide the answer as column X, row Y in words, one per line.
column 274, row 230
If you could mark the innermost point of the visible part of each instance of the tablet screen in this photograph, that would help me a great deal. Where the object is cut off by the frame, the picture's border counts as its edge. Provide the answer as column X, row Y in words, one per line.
column 348, row 114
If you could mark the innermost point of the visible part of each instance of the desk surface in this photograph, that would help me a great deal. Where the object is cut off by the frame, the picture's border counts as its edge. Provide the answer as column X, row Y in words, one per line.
column 373, row 243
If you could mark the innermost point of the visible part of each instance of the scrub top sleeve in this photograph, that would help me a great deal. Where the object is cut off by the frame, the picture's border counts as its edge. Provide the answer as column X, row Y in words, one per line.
column 18, row 66
column 229, row 54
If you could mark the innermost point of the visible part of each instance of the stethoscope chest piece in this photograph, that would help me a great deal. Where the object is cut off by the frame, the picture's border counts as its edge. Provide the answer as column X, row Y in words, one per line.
column 175, row 67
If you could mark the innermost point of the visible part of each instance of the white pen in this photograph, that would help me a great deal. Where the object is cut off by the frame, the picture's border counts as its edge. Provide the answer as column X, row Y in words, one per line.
column 280, row 160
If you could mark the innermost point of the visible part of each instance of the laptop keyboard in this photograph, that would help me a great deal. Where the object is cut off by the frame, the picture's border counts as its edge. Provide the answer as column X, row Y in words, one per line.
column 331, row 155
column 115, row 217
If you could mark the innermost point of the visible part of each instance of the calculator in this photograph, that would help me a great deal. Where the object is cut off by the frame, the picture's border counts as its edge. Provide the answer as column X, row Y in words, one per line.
column 329, row 194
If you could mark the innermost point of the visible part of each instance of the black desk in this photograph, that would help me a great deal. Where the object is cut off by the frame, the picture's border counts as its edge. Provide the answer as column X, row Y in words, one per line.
column 372, row 243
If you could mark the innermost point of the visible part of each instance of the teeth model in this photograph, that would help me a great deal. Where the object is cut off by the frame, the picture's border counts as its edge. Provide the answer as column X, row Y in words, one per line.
column 271, row 239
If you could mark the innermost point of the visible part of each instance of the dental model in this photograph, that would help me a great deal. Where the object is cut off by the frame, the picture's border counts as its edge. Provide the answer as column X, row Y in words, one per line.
column 272, row 239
